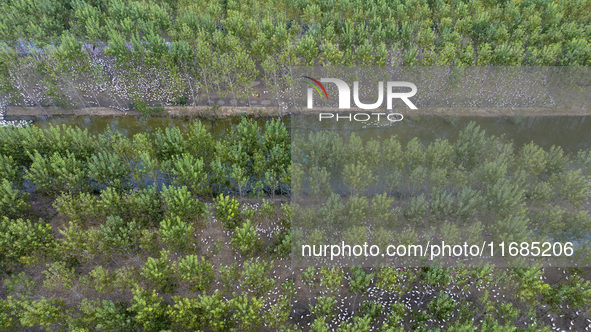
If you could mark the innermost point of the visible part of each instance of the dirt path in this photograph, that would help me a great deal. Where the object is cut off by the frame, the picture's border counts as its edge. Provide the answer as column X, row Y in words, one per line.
column 262, row 111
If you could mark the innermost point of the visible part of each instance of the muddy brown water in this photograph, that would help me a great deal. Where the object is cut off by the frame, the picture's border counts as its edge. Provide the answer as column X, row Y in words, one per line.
column 572, row 133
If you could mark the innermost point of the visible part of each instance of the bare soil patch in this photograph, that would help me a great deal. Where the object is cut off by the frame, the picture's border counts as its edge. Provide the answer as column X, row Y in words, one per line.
column 265, row 111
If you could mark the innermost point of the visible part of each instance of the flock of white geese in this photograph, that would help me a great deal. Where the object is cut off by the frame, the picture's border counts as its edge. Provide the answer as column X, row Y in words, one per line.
column 12, row 123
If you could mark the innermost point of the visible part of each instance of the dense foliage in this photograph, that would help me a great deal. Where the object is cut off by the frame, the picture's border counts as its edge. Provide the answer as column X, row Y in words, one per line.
column 127, row 53
column 474, row 188
column 177, row 231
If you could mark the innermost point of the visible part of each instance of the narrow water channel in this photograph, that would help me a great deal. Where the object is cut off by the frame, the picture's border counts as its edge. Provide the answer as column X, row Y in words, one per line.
column 572, row 133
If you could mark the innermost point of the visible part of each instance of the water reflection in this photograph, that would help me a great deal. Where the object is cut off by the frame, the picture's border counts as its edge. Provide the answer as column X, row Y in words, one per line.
column 572, row 133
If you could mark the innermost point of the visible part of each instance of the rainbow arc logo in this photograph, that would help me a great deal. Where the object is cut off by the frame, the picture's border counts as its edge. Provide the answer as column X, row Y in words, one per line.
column 316, row 86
